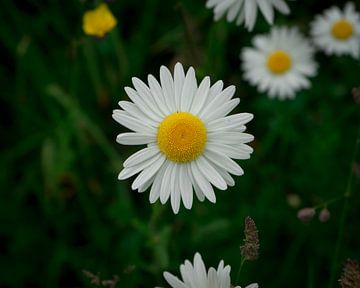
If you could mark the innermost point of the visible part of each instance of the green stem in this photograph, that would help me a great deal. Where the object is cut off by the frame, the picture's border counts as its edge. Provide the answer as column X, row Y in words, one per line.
column 195, row 55
column 239, row 271
column 329, row 202
column 120, row 53
column 92, row 66
column 347, row 195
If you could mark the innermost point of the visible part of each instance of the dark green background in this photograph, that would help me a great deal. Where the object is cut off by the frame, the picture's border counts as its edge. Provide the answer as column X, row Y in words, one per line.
column 62, row 208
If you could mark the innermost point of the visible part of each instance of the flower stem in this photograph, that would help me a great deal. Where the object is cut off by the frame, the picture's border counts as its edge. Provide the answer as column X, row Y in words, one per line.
column 92, row 65
column 120, row 53
column 188, row 33
column 346, row 195
column 239, row 271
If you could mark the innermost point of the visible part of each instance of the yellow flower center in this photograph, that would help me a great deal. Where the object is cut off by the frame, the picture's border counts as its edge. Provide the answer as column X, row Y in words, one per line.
column 279, row 62
column 99, row 21
column 181, row 137
column 342, row 29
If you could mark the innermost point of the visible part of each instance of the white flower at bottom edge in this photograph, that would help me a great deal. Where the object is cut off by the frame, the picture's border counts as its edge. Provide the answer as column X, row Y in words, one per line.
column 245, row 11
column 280, row 62
column 338, row 32
column 190, row 138
column 195, row 276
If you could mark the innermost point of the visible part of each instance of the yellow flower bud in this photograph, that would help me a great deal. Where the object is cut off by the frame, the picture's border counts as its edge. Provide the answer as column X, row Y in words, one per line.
column 99, row 21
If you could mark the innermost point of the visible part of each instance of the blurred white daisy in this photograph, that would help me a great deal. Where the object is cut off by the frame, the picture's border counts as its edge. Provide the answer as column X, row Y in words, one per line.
column 280, row 62
column 338, row 32
column 190, row 139
column 245, row 11
column 196, row 276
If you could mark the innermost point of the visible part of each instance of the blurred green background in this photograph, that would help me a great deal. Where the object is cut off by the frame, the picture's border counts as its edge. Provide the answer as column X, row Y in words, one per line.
column 62, row 208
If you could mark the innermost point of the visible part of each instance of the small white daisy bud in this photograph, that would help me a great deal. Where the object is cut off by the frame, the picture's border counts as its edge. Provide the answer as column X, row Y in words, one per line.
column 324, row 215
column 306, row 214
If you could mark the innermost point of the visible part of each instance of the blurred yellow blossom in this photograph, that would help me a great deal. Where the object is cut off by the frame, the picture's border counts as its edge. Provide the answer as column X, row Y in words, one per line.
column 99, row 21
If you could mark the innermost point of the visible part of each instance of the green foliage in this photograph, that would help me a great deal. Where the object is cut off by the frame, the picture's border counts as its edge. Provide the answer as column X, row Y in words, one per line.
column 62, row 208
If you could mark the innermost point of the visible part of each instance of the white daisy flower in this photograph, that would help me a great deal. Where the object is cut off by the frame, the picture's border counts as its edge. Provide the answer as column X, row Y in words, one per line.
column 245, row 11
column 338, row 32
column 190, row 139
column 195, row 276
column 279, row 63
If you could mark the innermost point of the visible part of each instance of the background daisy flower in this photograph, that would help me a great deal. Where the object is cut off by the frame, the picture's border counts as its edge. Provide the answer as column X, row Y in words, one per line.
column 338, row 32
column 279, row 63
column 195, row 276
column 190, row 139
column 99, row 22
column 245, row 11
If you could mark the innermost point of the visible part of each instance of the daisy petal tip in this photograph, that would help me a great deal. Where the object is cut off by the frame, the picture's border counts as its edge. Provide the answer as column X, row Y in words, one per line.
column 178, row 65
column 188, row 207
column 212, row 200
column 121, row 175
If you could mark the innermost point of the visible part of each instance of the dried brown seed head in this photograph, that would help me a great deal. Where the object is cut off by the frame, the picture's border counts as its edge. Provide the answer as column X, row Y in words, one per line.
column 350, row 277
column 250, row 249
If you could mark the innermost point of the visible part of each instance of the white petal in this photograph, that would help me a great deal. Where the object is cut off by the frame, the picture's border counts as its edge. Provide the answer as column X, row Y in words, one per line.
column 141, row 155
column 232, row 151
column 267, row 10
column 188, row 91
column 213, row 278
column 225, row 175
column 143, row 187
column 185, row 186
column 210, row 173
column 222, row 110
column 188, row 274
column 135, row 112
column 250, row 14
column 135, row 138
column 215, row 90
column 139, row 102
column 282, row 6
column 166, row 184
column 229, row 122
column 146, row 95
column 203, row 184
column 220, row 99
column 200, row 270
column 156, row 187
column 148, row 172
column 130, row 171
column 199, row 194
column 175, row 189
column 224, row 162
column 132, row 123
column 158, row 95
column 254, row 285
column 200, row 96
column 234, row 11
column 174, row 281
column 229, row 137
column 167, row 84
column 179, row 78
